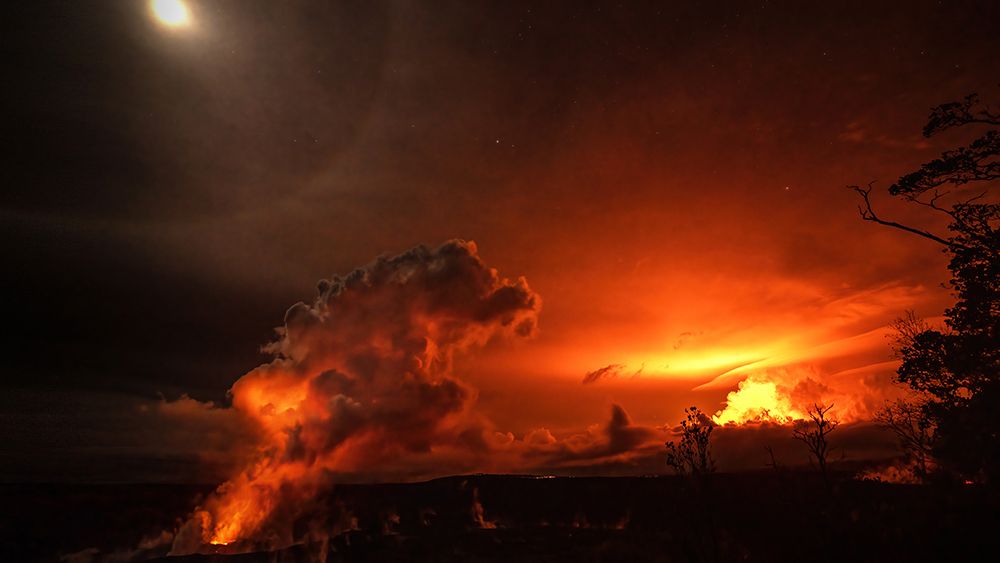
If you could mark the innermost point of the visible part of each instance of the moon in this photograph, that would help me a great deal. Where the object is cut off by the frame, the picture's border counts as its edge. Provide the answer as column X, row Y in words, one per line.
column 172, row 13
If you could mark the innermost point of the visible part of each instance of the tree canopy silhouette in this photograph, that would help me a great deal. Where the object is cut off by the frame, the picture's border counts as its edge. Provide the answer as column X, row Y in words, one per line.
column 691, row 454
column 955, row 369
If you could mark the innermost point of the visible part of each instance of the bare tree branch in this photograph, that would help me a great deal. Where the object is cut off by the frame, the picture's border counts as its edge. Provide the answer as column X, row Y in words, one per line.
column 932, row 203
column 868, row 214
column 773, row 464
column 914, row 430
column 972, row 199
column 813, row 434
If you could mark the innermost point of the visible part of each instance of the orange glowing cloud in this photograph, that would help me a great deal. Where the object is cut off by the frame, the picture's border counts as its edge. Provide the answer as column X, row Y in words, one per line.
column 362, row 376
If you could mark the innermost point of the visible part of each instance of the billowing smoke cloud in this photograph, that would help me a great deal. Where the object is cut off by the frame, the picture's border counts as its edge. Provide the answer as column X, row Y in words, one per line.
column 362, row 377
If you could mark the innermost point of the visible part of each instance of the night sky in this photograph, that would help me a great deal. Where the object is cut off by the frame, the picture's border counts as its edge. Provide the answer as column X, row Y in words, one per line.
column 668, row 178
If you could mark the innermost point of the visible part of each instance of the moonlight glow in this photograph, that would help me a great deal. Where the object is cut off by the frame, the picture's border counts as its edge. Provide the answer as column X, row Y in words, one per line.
column 172, row 13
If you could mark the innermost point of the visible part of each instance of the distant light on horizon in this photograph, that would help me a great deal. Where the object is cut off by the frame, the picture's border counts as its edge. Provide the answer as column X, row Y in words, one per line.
column 172, row 13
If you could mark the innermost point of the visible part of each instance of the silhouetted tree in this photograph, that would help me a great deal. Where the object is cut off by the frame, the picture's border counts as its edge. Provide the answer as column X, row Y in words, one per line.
column 915, row 431
column 957, row 367
column 773, row 464
column 813, row 433
column 691, row 453
column 907, row 418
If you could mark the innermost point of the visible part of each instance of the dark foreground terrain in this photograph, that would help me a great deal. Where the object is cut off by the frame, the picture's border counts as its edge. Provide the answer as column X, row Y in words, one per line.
column 751, row 517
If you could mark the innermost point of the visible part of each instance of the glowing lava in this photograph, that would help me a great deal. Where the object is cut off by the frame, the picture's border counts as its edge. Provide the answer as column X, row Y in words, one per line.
column 758, row 400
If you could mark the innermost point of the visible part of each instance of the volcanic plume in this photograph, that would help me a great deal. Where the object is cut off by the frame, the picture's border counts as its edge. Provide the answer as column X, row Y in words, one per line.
column 362, row 387
column 362, row 377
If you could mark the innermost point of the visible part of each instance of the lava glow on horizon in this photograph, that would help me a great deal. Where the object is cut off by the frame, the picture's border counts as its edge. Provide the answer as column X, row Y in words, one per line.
column 364, row 379
column 758, row 400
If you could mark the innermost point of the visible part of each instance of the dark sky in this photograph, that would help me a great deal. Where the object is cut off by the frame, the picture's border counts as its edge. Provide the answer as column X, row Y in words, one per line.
column 659, row 173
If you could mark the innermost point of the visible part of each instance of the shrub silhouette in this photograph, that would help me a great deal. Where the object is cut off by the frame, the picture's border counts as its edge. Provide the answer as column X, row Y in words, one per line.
column 691, row 453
